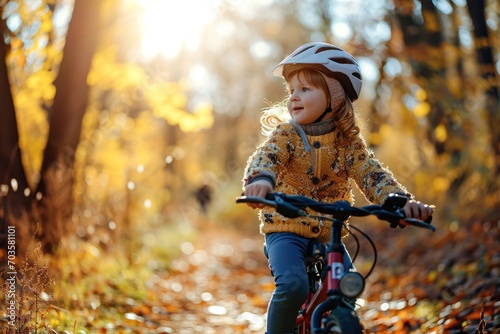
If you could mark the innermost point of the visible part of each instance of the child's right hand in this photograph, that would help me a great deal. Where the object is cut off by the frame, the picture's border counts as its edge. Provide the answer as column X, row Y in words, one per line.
column 414, row 209
column 258, row 188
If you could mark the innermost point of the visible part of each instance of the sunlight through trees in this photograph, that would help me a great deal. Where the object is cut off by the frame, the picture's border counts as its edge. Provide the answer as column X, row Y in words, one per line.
column 114, row 113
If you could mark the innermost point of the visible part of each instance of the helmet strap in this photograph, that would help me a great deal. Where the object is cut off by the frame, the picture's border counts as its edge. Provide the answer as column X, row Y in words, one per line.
column 327, row 110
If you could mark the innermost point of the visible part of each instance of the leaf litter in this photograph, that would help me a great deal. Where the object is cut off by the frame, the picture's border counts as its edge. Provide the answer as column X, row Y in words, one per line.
column 446, row 282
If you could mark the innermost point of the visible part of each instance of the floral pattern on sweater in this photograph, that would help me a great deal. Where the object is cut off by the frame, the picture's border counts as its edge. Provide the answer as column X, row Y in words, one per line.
column 325, row 172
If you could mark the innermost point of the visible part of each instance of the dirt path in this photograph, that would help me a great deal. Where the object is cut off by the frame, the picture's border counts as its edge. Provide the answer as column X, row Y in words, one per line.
column 220, row 284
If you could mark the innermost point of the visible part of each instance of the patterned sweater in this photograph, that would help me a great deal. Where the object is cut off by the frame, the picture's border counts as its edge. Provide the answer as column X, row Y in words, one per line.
column 317, row 167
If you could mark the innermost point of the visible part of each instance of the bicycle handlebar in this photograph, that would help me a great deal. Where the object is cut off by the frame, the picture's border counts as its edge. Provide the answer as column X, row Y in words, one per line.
column 292, row 206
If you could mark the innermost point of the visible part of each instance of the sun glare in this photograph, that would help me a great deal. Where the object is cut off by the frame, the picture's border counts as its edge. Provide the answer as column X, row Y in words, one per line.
column 167, row 26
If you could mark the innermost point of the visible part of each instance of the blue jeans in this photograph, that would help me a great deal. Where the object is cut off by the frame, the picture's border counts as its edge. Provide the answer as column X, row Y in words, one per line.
column 287, row 252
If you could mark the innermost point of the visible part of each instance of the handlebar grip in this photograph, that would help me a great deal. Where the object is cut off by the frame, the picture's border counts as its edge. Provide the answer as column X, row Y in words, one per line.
column 255, row 199
column 282, row 207
column 421, row 224
column 394, row 217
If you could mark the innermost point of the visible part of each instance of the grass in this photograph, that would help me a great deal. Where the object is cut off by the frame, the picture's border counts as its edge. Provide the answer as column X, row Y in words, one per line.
column 85, row 287
column 25, row 292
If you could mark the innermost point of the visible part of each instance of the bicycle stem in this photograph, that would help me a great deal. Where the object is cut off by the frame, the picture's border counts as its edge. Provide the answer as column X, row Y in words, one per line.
column 335, row 256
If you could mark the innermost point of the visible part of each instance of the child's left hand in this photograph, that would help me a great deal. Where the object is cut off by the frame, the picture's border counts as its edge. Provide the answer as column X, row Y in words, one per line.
column 415, row 209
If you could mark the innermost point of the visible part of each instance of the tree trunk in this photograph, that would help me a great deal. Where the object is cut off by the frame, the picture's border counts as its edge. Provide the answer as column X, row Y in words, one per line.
column 425, row 51
column 14, row 202
column 490, row 79
column 70, row 102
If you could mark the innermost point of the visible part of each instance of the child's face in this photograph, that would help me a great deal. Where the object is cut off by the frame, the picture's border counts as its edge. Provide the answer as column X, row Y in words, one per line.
column 306, row 102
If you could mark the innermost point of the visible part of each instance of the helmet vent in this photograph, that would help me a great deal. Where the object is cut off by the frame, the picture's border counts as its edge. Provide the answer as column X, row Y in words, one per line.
column 327, row 48
column 357, row 75
column 342, row 60
column 302, row 51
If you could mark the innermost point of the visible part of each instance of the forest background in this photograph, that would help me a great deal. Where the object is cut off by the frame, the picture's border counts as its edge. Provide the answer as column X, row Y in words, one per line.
column 114, row 114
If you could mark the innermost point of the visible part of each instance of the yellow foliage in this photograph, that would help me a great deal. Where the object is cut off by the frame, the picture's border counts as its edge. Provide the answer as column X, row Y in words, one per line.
column 204, row 116
column 440, row 184
column 32, row 119
column 46, row 26
column 421, row 94
column 37, row 90
column 166, row 100
column 40, row 84
column 440, row 133
column 385, row 130
column 375, row 139
column 378, row 138
column 16, row 57
column 178, row 100
column 123, row 161
column 421, row 177
column 422, row 109
column 164, row 93
column 107, row 73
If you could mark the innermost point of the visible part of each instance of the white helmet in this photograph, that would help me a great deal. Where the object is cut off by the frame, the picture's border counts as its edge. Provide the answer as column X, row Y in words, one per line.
column 333, row 61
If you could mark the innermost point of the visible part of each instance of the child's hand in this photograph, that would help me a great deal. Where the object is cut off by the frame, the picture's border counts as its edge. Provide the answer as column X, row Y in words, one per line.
column 414, row 209
column 258, row 188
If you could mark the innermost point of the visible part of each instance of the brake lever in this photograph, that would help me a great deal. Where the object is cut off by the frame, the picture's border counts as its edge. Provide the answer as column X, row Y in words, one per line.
column 393, row 217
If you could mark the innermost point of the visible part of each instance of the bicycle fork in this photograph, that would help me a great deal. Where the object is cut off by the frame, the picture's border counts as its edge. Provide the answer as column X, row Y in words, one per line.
column 334, row 272
column 340, row 285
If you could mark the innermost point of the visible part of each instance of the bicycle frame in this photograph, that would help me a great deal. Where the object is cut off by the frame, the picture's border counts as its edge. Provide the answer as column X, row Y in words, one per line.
column 328, row 294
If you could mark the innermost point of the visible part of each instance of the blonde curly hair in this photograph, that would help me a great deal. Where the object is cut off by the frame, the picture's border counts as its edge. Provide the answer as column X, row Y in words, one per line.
column 344, row 118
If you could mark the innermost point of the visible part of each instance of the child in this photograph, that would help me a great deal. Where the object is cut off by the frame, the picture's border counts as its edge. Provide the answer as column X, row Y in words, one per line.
column 314, row 148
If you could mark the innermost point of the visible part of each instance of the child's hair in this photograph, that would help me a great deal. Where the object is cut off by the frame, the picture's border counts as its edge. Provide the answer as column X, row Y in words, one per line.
column 344, row 118
column 273, row 115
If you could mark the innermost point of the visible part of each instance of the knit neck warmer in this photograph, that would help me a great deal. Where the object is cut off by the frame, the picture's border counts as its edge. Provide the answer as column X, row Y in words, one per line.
column 314, row 129
column 318, row 129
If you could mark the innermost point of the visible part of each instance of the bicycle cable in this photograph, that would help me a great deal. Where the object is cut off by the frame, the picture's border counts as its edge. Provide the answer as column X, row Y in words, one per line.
column 358, row 245
column 373, row 247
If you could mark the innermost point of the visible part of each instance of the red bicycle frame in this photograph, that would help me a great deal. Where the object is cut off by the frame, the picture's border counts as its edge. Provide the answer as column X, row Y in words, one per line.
column 329, row 287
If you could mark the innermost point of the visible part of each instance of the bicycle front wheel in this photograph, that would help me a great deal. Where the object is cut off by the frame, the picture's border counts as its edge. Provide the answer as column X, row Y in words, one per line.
column 343, row 321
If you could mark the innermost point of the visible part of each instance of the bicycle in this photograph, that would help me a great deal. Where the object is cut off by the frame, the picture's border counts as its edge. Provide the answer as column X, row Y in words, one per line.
column 329, row 308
